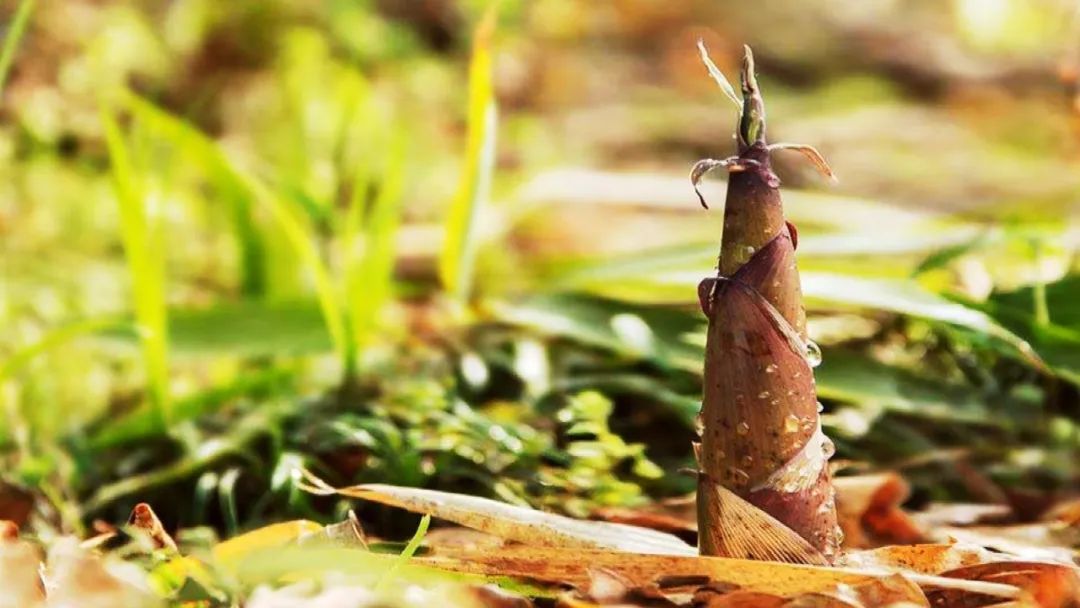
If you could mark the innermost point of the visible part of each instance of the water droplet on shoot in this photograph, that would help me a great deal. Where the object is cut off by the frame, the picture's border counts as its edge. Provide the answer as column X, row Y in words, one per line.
column 820, row 407
column 791, row 423
column 742, row 428
column 813, row 353
column 828, row 448
column 763, row 395
column 771, row 368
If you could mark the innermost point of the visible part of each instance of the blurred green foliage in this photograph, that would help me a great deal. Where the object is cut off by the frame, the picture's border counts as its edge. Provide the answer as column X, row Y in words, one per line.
column 237, row 237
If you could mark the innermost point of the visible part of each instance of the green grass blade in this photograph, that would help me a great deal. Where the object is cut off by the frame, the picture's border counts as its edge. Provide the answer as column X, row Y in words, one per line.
column 459, row 246
column 203, row 151
column 406, row 554
column 369, row 275
column 146, row 266
column 297, row 234
column 56, row 338
column 300, row 237
column 11, row 41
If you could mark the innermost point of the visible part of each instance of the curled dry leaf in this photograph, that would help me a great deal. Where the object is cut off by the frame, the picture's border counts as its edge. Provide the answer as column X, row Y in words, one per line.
column 346, row 533
column 1048, row 585
column 146, row 521
column 811, row 153
column 511, row 522
column 868, row 508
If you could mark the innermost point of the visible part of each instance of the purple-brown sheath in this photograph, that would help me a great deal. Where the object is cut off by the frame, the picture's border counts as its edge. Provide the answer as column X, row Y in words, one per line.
column 764, row 490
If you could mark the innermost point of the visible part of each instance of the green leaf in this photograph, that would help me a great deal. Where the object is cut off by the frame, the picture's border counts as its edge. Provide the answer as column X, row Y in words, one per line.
column 14, row 34
column 143, row 247
column 459, row 245
column 390, row 576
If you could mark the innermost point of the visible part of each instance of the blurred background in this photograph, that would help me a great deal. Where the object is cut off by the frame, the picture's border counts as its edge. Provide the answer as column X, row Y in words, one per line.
column 441, row 244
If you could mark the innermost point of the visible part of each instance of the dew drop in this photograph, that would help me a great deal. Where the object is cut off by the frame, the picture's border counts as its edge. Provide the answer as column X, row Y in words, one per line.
column 791, row 392
column 763, row 395
column 742, row 428
column 828, row 448
column 813, row 353
column 820, row 407
column 774, row 402
column 791, row 423
column 750, row 250
column 771, row 368
column 699, row 425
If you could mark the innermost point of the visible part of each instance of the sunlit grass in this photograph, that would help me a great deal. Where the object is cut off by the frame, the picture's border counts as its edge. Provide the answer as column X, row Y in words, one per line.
column 142, row 236
column 459, row 247
column 14, row 35
column 368, row 242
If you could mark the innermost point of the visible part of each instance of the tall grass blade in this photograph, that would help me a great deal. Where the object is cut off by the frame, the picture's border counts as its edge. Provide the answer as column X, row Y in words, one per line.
column 14, row 35
column 56, row 338
column 297, row 233
column 200, row 149
column 369, row 246
column 141, row 236
column 459, row 247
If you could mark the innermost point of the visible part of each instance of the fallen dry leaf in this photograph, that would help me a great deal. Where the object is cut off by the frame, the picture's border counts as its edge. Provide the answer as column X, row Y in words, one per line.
column 1035, row 542
column 19, row 579
column 679, row 524
column 558, row 566
column 1049, row 585
column 231, row 552
column 79, row 579
column 512, row 522
column 144, row 519
column 868, row 508
column 739, row 599
column 925, row 559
